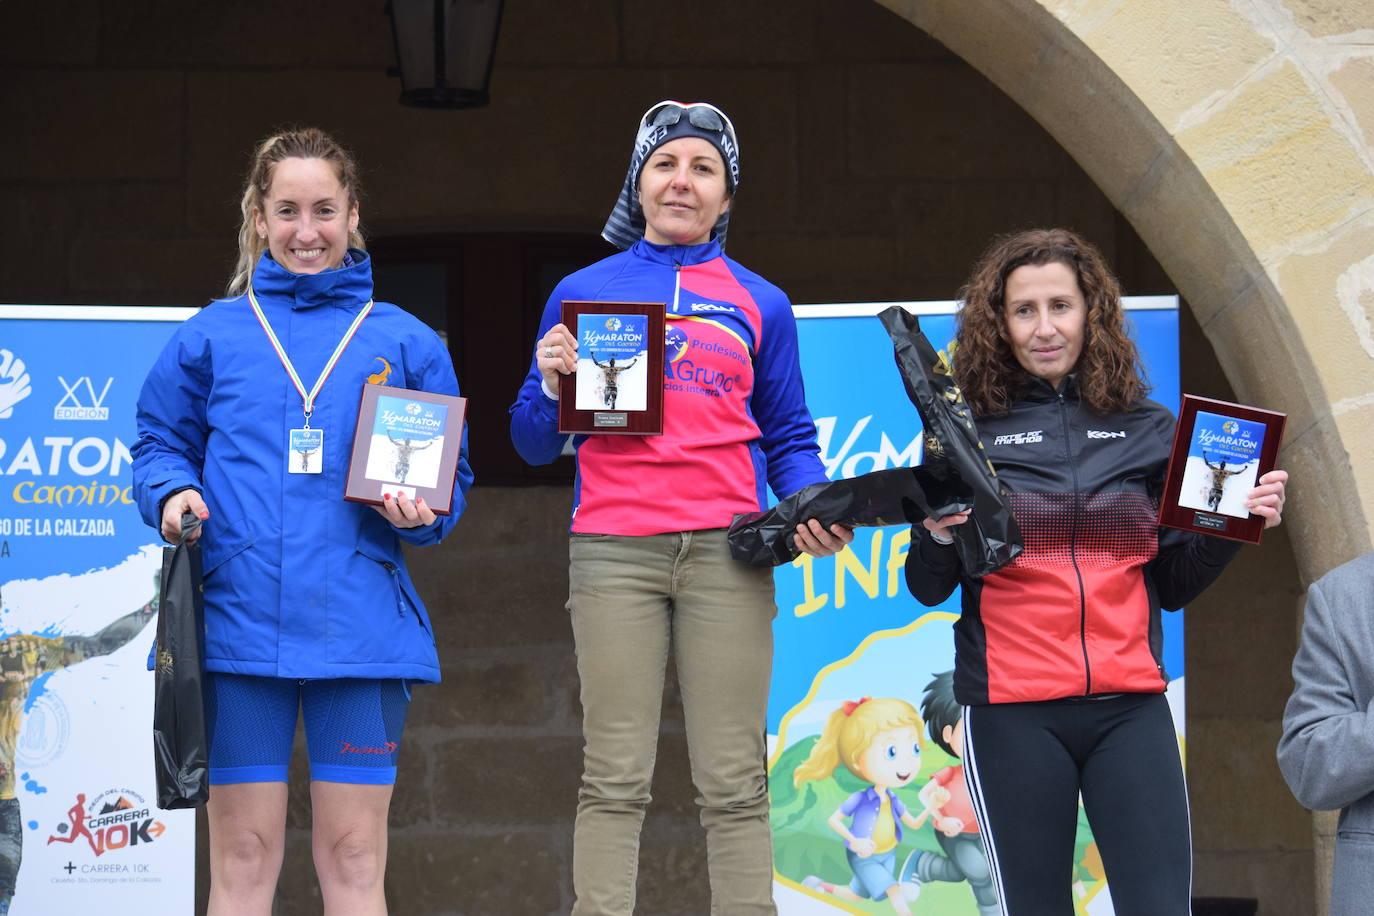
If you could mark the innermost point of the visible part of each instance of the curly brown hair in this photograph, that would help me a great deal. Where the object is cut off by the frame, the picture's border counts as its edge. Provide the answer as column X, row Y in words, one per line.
column 1110, row 375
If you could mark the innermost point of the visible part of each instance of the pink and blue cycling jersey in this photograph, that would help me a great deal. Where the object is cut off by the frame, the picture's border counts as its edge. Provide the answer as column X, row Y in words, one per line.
column 735, row 416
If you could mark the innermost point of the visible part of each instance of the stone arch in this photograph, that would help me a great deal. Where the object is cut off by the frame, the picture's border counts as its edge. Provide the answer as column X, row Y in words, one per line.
column 1238, row 144
column 1238, row 139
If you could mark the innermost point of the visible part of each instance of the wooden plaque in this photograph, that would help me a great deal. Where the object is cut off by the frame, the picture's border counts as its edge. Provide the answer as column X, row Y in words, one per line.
column 618, row 385
column 406, row 442
column 1220, row 451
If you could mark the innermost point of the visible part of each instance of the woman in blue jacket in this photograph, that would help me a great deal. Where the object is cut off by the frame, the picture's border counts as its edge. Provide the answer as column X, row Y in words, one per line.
column 307, row 600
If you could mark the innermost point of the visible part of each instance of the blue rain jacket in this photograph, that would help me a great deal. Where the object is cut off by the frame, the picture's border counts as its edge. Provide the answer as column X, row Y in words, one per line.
column 298, row 582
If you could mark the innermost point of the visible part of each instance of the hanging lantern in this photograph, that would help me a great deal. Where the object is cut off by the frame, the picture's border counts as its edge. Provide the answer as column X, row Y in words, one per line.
column 444, row 50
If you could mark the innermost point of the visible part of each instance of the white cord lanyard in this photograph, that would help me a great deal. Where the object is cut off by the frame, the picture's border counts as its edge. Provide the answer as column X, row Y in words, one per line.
column 307, row 397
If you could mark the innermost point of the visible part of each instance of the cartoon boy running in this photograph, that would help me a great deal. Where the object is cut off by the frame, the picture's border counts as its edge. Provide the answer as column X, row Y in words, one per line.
column 956, row 828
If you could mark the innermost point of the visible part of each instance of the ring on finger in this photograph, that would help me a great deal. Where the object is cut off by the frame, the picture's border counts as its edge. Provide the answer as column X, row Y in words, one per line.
column 548, row 352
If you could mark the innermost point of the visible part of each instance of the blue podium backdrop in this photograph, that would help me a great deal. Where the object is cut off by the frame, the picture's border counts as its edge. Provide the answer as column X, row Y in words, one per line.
column 78, row 590
column 848, row 628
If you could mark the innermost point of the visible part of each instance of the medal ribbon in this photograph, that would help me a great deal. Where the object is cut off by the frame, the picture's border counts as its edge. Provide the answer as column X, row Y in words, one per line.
column 307, row 397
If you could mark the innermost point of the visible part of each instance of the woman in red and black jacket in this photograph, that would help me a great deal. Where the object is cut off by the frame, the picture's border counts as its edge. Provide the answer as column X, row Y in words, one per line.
column 1058, row 655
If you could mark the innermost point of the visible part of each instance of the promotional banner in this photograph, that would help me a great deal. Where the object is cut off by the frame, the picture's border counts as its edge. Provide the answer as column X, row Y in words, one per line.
column 79, row 827
column 407, row 441
column 601, row 380
column 1221, row 448
column 847, row 628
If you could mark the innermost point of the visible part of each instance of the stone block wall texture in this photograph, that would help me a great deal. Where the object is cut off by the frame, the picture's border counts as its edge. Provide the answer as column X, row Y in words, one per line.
column 881, row 150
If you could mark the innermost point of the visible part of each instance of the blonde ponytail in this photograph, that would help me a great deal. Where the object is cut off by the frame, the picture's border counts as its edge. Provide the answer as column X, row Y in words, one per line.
column 850, row 731
column 825, row 753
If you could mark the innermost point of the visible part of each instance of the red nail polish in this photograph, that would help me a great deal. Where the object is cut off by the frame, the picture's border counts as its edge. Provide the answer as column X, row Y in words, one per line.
column 419, row 500
column 386, row 496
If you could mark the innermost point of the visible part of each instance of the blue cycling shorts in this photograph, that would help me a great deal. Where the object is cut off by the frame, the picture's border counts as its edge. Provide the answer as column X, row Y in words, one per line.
column 353, row 727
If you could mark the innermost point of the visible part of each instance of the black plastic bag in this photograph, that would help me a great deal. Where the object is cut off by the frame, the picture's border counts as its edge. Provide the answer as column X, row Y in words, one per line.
column 180, row 749
column 990, row 539
column 897, row 496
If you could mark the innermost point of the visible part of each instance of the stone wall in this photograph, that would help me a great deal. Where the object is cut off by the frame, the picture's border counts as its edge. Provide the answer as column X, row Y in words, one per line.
column 876, row 165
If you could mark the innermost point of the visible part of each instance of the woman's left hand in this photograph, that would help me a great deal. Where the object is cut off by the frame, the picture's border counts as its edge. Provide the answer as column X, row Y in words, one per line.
column 814, row 539
column 402, row 513
column 1266, row 500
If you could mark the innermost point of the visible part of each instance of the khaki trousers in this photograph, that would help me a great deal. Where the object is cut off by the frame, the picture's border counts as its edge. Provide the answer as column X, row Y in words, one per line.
column 632, row 601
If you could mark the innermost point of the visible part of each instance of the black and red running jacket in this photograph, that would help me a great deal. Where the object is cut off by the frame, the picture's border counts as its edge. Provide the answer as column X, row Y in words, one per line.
column 1077, row 613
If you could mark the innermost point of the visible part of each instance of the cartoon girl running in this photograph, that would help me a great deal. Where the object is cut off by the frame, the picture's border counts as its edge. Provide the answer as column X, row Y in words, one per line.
column 879, row 741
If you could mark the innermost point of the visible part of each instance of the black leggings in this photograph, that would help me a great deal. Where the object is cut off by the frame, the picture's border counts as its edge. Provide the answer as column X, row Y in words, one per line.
column 1026, row 764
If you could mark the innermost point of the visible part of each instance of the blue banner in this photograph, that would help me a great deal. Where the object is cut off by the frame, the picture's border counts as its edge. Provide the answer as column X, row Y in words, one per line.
column 78, row 602
column 612, row 362
column 847, row 628
column 403, row 418
column 605, row 336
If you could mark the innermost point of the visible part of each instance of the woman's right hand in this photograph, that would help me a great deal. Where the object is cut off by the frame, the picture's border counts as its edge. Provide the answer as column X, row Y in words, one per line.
column 174, row 508
column 940, row 526
column 556, row 354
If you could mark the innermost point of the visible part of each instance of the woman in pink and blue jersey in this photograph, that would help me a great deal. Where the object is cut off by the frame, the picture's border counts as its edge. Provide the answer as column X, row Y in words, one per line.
column 650, row 572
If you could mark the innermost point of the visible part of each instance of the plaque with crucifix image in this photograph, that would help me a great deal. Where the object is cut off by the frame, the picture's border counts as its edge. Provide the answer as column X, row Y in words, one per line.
column 618, row 385
column 1220, row 450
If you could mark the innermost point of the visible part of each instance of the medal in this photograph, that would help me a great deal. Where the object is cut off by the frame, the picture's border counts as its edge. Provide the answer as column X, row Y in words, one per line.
column 305, row 446
column 307, row 451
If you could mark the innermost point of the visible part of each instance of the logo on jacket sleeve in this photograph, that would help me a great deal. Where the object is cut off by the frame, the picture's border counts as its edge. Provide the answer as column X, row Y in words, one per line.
column 1029, row 437
column 379, row 378
column 1106, row 434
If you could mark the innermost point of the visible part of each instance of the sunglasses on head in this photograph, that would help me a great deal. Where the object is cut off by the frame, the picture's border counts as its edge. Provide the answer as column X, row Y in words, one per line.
column 699, row 114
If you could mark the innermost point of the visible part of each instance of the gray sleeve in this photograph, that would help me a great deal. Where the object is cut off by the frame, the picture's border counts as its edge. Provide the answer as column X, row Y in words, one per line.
column 1327, row 749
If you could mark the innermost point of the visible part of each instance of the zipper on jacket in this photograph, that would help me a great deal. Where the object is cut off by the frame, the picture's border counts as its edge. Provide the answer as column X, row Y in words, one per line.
column 1073, row 545
column 677, row 285
column 396, row 585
